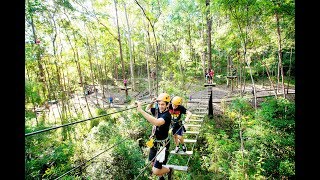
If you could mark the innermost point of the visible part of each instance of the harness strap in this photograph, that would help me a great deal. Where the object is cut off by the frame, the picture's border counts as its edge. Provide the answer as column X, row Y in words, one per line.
column 161, row 143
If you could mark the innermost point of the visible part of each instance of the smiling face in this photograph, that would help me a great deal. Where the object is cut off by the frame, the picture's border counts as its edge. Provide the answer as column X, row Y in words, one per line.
column 162, row 106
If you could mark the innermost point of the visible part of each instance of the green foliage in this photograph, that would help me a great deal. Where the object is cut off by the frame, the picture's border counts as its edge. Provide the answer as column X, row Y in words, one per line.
column 31, row 128
column 53, row 159
column 34, row 6
column 277, row 118
column 268, row 147
column 127, row 159
column 280, row 113
column 29, row 115
column 99, row 112
column 241, row 105
column 180, row 32
column 287, row 168
column 105, row 131
column 219, row 79
column 61, row 159
column 32, row 92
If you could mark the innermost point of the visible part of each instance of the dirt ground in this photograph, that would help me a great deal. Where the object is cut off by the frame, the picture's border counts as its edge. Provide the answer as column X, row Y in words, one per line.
column 200, row 95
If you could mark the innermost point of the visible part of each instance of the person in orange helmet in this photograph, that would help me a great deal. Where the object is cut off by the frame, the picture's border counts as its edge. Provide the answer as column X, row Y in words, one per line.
column 176, row 110
column 161, row 120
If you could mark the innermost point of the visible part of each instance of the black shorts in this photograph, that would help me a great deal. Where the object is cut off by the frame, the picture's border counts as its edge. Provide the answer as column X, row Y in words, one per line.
column 178, row 130
column 153, row 153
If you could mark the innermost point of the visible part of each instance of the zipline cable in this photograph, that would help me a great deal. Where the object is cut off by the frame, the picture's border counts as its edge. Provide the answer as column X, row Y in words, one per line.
column 90, row 159
column 79, row 122
column 82, row 164
column 76, row 122
column 156, row 155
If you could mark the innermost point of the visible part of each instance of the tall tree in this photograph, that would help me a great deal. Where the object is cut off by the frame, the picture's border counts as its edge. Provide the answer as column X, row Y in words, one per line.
column 152, row 22
column 33, row 7
column 130, row 47
column 119, row 41
column 209, row 26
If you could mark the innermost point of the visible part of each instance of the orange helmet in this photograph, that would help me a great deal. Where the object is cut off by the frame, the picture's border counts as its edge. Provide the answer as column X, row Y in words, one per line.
column 176, row 100
column 163, row 97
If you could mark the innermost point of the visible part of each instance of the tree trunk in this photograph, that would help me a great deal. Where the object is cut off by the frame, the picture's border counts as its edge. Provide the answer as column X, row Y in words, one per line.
column 76, row 59
column 209, row 26
column 289, row 75
column 60, row 87
column 91, row 68
column 280, row 54
column 130, row 49
column 38, row 49
column 148, row 71
column 156, row 44
column 119, row 41
column 270, row 80
column 149, row 51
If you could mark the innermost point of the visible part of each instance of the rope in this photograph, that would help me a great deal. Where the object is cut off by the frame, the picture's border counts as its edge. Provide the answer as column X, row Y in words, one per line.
column 156, row 155
column 76, row 122
column 90, row 159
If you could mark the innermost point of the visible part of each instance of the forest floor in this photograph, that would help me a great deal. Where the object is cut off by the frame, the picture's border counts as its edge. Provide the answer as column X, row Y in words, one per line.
column 200, row 94
column 223, row 93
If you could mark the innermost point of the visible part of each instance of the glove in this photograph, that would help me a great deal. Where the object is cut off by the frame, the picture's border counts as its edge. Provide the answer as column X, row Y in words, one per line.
column 150, row 143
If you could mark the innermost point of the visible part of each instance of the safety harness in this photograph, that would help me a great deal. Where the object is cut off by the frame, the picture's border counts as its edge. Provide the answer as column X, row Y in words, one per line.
column 160, row 144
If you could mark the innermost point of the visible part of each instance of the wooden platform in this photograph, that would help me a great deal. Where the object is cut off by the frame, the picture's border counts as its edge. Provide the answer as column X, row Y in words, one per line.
column 190, row 140
column 126, row 88
column 197, row 115
column 177, row 168
column 191, row 132
column 206, row 84
column 188, row 153
column 195, row 120
column 192, row 125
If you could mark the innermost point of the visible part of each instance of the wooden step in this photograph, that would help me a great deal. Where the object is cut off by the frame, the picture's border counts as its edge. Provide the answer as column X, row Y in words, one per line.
column 192, row 125
column 206, row 84
column 197, row 115
column 202, row 105
column 195, row 120
column 180, row 152
column 202, row 111
column 197, row 102
column 191, row 132
column 190, row 140
column 177, row 168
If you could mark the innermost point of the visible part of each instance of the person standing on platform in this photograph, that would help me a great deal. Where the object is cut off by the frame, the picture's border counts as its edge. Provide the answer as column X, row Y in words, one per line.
column 211, row 74
column 176, row 110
